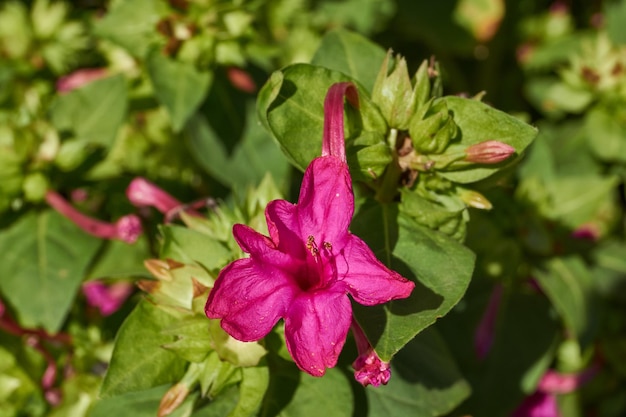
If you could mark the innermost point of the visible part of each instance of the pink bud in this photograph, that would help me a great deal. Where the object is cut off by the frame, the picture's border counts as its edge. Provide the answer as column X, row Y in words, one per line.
column 127, row 228
column 488, row 152
column 143, row 193
column 558, row 383
column 79, row 78
column 107, row 298
column 369, row 369
column 241, row 80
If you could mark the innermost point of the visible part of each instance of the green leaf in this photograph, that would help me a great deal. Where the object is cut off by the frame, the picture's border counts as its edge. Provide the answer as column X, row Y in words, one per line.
column 139, row 362
column 569, row 286
column 615, row 14
column 479, row 122
column 440, row 266
column 606, row 128
column 293, row 108
column 44, row 259
column 351, row 54
column 178, row 86
column 425, row 381
column 121, row 260
column 193, row 340
column 144, row 403
column 248, row 162
column 131, row 24
column 93, row 113
column 293, row 394
column 188, row 245
column 252, row 389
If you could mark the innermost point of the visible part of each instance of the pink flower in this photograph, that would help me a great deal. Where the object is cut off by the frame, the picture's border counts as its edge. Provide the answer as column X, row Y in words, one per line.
column 107, row 298
column 369, row 369
column 488, row 152
column 79, row 78
column 127, row 228
column 543, row 402
column 310, row 262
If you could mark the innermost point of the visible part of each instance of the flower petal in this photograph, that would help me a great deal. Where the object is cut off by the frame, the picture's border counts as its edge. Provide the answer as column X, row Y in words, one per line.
column 250, row 297
column 368, row 280
column 283, row 225
column 315, row 329
column 326, row 202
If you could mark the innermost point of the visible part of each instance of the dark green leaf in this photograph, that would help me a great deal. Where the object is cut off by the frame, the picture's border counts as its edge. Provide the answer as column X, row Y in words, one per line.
column 606, row 128
column 293, row 108
column 120, row 260
column 44, row 261
column 425, row 381
column 254, row 156
column 144, row 403
column 479, row 122
column 139, row 362
column 252, row 388
column 615, row 14
column 351, row 54
column 569, row 286
column 293, row 394
column 179, row 86
column 93, row 113
column 440, row 266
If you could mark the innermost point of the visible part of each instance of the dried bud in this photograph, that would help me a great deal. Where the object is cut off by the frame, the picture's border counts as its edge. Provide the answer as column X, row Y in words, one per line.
column 173, row 398
column 488, row 152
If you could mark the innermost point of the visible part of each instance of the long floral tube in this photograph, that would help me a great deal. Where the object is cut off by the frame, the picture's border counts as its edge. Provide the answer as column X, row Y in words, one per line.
column 127, row 228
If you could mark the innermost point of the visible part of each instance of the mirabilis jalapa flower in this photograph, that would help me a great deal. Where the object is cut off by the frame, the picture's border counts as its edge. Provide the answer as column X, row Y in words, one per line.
column 304, row 271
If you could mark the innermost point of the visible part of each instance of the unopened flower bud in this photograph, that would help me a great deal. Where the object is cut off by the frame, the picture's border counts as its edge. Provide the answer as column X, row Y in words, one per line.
column 488, row 152
column 143, row 193
column 79, row 78
column 475, row 199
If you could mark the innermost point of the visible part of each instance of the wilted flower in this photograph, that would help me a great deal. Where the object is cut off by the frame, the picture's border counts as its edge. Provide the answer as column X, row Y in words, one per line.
column 369, row 369
column 79, row 78
column 107, row 298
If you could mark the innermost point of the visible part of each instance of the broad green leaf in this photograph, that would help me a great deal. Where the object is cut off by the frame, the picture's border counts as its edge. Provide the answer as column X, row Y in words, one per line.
column 187, row 245
column 293, row 393
column 606, row 128
column 351, row 54
column 425, row 381
column 615, row 14
column 93, row 113
column 193, row 340
column 479, row 122
column 440, row 266
column 144, row 403
column 139, row 362
column 44, row 260
column 555, row 98
column 572, row 207
column 252, row 389
column 609, row 269
column 293, row 108
column 120, row 260
column 365, row 16
column 131, row 24
column 179, row 86
column 247, row 163
column 569, row 286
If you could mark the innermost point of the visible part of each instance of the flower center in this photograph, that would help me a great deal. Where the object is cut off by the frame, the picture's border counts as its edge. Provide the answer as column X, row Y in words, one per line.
column 319, row 265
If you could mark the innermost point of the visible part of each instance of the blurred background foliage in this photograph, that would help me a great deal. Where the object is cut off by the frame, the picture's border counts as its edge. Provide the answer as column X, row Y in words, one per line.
column 96, row 93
